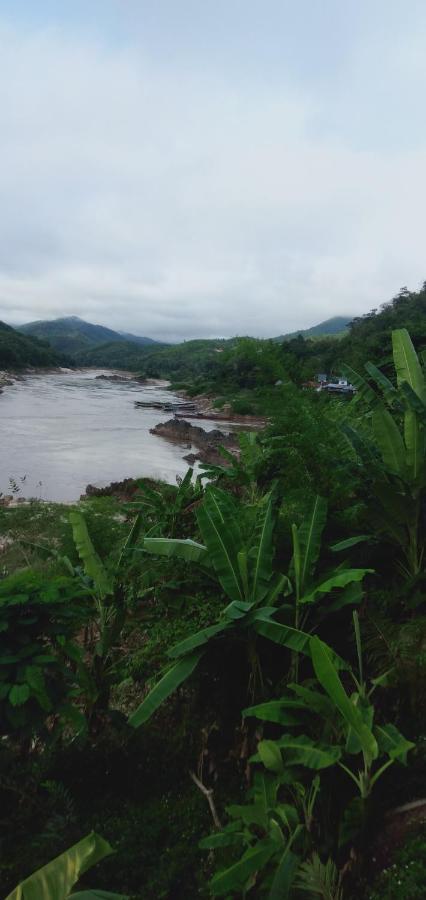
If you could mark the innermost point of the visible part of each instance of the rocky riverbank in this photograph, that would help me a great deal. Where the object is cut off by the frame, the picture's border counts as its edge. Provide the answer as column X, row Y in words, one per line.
column 207, row 443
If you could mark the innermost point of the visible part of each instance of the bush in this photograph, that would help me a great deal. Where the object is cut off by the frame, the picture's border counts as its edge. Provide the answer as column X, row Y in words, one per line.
column 243, row 408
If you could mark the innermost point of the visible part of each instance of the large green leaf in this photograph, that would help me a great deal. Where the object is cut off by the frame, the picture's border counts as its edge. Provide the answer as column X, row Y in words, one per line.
column 310, row 534
column 235, row 877
column 275, row 711
column 414, row 435
column 262, row 553
column 55, row 880
column 131, row 540
column 93, row 566
column 390, row 443
column 407, row 363
column 389, row 390
column 299, row 750
column 350, row 542
column 282, row 634
column 329, row 679
column 284, row 876
column 340, row 580
column 270, row 755
column 222, row 537
column 166, row 686
column 364, row 391
column 197, row 640
column 189, row 551
column 392, row 742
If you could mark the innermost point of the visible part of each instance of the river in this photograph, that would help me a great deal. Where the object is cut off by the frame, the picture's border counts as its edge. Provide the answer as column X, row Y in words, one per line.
column 62, row 431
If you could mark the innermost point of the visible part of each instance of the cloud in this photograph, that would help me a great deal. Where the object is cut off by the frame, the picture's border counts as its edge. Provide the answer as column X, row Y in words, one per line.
column 176, row 201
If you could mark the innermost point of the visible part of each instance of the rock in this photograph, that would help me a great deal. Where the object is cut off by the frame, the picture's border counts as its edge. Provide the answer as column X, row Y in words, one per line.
column 207, row 442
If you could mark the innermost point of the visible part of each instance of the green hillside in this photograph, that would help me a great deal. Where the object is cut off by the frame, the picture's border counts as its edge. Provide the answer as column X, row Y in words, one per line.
column 117, row 355
column 18, row 351
column 336, row 326
column 72, row 334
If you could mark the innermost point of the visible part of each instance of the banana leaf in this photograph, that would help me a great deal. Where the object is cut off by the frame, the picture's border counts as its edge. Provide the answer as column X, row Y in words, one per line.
column 407, row 363
column 55, row 880
column 93, row 566
column 340, row 580
column 350, row 542
column 364, row 391
column 392, row 742
column 310, row 534
column 164, row 688
column 197, row 640
column 389, row 389
column 329, row 679
column 275, row 711
column 390, row 443
column 414, row 435
column 282, row 634
column 236, row 876
column 222, row 537
column 188, row 550
column 300, row 750
column 284, row 876
column 261, row 555
column 131, row 539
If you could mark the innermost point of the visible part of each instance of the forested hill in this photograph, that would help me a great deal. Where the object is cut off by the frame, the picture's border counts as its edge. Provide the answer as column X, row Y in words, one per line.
column 337, row 325
column 247, row 363
column 18, row 351
column 73, row 335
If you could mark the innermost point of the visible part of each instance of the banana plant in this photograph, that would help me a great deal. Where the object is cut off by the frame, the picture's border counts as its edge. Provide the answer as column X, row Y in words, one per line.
column 348, row 726
column 242, row 561
column 241, row 470
column 55, row 880
column 309, row 588
column 391, row 441
column 268, row 835
column 164, row 511
column 109, row 598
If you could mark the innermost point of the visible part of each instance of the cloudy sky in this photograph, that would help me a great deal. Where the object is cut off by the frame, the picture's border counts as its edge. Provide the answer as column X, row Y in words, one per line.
column 184, row 168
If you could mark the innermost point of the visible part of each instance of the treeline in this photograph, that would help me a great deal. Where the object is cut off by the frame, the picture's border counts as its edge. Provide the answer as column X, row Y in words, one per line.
column 244, row 363
column 17, row 351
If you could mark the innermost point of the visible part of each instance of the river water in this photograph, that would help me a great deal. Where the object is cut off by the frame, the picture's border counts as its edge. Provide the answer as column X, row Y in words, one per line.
column 62, row 431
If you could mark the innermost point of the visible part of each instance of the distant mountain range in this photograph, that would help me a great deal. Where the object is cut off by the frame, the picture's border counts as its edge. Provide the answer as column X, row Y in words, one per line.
column 334, row 326
column 72, row 341
column 73, row 335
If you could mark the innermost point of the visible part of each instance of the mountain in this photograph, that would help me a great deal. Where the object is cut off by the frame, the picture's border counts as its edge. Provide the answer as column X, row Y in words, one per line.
column 72, row 334
column 18, row 351
column 337, row 325
column 118, row 355
column 137, row 339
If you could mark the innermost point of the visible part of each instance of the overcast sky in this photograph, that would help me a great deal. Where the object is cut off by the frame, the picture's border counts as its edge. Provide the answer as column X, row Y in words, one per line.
column 183, row 168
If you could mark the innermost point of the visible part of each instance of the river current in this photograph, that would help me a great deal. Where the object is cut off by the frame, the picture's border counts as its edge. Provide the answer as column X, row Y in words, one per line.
column 60, row 432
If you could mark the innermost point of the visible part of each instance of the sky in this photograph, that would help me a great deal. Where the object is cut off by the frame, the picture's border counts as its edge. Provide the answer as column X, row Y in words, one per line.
column 207, row 168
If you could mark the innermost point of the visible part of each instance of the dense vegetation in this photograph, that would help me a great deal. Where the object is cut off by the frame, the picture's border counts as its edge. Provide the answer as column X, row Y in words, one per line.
column 224, row 681
column 18, row 351
column 236, row 369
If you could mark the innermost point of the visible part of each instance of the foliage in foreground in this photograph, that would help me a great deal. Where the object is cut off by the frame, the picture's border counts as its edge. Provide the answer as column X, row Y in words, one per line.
column 279, row 704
